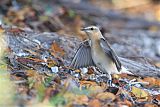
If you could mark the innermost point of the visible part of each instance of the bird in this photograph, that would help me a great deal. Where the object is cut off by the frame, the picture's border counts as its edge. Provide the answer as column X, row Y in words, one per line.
column 96, row 51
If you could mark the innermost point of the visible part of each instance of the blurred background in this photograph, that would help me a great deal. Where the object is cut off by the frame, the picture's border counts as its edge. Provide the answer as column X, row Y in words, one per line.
column 57, row 15
column 131, row 26
column 134, row 24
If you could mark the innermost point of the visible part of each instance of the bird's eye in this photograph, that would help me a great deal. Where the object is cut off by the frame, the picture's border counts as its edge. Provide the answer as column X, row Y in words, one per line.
column 92, row 28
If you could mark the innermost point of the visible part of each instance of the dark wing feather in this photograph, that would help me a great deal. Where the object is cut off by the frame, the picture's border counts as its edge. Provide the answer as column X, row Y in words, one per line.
column 109, row 51
column 83, row 56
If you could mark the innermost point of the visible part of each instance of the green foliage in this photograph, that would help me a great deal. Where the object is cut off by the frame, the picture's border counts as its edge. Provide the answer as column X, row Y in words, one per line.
column 58, row 100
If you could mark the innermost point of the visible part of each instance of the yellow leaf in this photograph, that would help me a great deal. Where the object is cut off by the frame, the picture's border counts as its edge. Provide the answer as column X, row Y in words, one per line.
column 140, row 93
column 77, row 70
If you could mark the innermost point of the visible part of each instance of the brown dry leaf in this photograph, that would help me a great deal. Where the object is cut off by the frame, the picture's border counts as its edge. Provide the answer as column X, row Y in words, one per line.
column 123, row 75
column 93, row 87
column 90, row 71
column 128, row 103
column 57, row 79
column 48, row 93
column 36, row 60
column 31, row 73
column 16, row 30
column 150, row 105
column 150, row 80
column 39, row 79
column 88, row 83
column 81, row 99
column 76, row 99
column 29, row 60
column 55, row 50
column 106, row 96
column 94, row 103
column 140, row 93
column 104, row 85
column 157, row 98
column 51, row 63
column 157, row 82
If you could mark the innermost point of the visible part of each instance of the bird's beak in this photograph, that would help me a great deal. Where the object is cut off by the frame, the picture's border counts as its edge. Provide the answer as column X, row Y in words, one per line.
column 84, row 29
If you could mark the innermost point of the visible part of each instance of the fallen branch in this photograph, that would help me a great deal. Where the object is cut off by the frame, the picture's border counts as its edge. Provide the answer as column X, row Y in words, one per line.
column 140, row 69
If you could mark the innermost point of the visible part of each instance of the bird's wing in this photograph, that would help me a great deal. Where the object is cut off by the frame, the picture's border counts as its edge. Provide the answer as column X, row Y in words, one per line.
column 83, row 56
column 109, row 51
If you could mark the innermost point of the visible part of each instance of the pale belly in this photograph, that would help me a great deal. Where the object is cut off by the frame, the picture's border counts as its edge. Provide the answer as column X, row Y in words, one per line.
column 104, row 63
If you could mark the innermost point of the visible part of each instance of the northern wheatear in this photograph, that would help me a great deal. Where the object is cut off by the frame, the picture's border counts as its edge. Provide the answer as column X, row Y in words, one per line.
column 97, row 52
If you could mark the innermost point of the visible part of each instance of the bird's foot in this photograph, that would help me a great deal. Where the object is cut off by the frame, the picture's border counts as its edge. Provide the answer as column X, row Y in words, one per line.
column 109, row 83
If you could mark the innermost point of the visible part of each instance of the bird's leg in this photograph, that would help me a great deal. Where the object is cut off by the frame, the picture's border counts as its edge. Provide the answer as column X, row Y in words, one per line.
column 109, row 80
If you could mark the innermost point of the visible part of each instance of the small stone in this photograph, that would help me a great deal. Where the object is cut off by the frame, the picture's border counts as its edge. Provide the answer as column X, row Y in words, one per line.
column 54, row 69
column 84, row 70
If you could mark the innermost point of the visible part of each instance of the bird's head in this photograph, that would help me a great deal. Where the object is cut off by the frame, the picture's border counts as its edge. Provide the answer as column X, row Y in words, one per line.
column 92, row 31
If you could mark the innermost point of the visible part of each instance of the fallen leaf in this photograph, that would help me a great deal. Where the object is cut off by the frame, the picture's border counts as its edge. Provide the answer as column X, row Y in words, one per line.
column 157, row 82
column 150, row 105
column 94, row 103
column 28, row 60
column 31, row 73
column 90, row 71
column 123, row 75
column 81, row 99
column 140, row 93
column 95, row 89
column 156, row 99
column 16, row 30
column 77, row 70
column 76, row 98
column 56, row 50
column 150, row 80
column 106, row 96
column 128, row 103
column 88, row 83
column 48, row 93
column 51, row 63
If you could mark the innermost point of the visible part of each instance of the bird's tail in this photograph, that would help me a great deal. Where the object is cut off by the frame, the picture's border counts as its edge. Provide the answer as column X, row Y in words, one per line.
column 125, row 70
